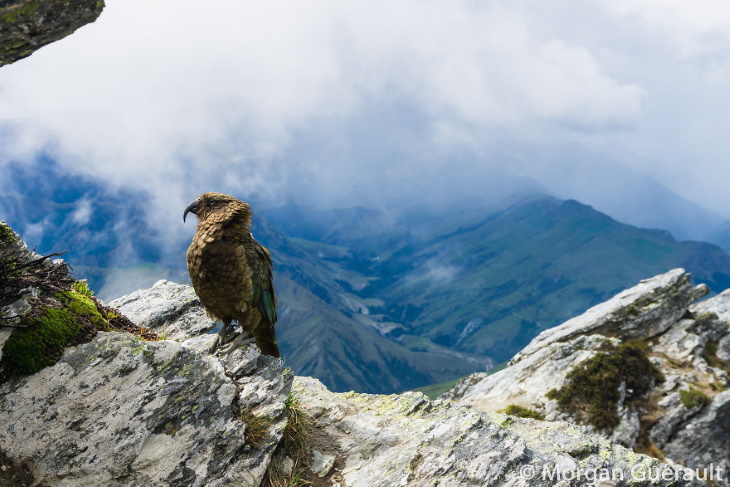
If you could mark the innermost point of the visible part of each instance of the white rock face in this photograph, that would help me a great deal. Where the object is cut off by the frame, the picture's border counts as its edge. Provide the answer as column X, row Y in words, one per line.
column 408, row 440
column 688, row 343
column 172, row 310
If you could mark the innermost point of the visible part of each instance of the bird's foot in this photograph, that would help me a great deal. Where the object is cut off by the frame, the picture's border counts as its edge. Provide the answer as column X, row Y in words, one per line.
column 214, row 347
column 238, row 340
column 224, row 334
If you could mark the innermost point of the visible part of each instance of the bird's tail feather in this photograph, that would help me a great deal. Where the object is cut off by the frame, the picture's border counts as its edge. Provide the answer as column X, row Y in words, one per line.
column 267, row 345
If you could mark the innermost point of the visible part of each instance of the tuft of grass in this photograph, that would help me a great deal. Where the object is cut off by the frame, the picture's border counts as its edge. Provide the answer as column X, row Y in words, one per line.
column 296, row 432
column 256, row 426
column 294, row 446
column 692, row 398
column 591, row 394
column 522, row 412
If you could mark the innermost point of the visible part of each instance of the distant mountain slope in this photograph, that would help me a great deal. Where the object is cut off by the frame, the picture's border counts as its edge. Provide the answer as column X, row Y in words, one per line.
column 720, row 236
column 325, row 331
column 320, row 341
column 491, row 287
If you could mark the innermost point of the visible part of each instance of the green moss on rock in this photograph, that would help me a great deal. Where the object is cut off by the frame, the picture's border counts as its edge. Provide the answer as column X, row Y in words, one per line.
column 41, row 342
column 592, row 393
column 30, row 349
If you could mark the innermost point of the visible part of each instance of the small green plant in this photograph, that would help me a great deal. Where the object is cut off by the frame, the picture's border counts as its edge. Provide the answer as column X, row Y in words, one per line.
column 82, row 287
column 692, row 398
column 522, row 412
column 6, row 235
column 592, row 392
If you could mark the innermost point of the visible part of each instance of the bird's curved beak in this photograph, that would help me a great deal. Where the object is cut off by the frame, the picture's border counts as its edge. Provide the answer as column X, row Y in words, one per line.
column 192, row 208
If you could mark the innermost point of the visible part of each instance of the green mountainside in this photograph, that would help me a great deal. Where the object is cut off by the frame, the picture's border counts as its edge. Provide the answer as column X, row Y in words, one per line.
column 487, row 283
column 490, row 288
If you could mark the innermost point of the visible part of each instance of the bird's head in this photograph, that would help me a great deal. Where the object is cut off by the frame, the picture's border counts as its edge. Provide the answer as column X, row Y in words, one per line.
column 218, row 204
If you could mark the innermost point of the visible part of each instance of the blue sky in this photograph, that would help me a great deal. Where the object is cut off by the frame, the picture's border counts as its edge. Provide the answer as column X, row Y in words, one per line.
column 353, row 102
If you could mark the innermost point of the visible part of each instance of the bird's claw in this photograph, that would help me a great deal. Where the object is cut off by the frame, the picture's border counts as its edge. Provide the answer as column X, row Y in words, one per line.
column 226, row 342
column 240, row 340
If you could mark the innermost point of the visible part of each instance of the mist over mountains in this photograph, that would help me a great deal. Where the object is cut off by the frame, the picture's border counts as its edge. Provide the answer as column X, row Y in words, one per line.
column 374, row 300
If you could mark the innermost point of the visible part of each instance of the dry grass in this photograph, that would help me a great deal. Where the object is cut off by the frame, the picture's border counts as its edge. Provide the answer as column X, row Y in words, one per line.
column 293, row 450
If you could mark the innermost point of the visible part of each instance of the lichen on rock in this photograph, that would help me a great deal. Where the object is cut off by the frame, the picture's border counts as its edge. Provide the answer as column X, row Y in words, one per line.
column 120, row 411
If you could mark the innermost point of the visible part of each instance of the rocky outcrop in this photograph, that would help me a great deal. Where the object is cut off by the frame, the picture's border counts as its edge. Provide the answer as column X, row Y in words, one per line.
column 406, row 439
column 119, row 410
column 28, row 25
column 683, row 418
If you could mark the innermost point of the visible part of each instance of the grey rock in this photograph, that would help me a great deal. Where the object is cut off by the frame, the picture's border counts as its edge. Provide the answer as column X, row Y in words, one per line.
column 169, row 309
column 670, row 422
column 718, row 305
column 704, row 441
column 644, row 311
column 322, row 464
column 662, row 312
column 119, row 411
column 408, row 440
column 525, row 382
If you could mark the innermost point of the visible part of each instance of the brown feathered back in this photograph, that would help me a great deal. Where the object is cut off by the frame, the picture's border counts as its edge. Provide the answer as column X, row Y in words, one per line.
column 230, row 271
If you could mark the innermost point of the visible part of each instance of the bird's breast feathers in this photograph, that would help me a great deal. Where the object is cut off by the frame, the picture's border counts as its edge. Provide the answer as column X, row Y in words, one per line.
column 220, row 274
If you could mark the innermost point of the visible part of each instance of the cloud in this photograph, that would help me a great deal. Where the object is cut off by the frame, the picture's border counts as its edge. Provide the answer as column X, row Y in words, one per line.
column 169, row 92
column 351, row 102
column 81, row 215
column 694, row 28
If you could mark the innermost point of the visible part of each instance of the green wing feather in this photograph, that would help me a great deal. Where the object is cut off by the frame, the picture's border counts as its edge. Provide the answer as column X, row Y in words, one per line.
column 268, row 305
column 264, row 286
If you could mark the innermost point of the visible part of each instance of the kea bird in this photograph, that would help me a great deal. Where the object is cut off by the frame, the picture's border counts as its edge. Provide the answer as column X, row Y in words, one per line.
column 231, row 272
